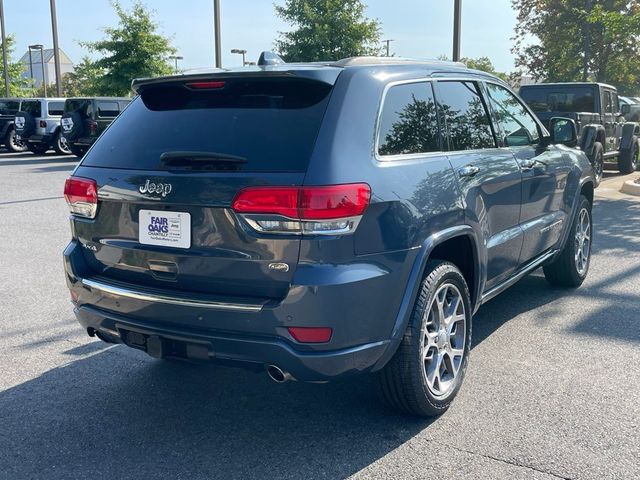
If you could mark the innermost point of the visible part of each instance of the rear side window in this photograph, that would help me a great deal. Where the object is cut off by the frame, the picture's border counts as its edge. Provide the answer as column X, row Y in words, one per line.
column 9, row 107
column 33, row 107
column 466, row 116
column 271, row 123
column 409, row 120
column 55, row 108
column 108, row 109
column 81, row 106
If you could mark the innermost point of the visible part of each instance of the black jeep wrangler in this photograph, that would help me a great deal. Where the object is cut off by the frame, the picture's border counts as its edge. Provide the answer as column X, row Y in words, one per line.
column 84, row 119
column 604, row 133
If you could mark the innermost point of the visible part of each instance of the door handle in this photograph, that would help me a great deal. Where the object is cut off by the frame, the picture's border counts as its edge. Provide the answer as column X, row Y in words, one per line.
column 468, row 171
column 528, row 163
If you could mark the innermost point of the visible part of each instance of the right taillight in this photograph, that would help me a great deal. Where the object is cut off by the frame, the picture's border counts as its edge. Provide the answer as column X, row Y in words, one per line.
column 320, row 210
column 81, row 195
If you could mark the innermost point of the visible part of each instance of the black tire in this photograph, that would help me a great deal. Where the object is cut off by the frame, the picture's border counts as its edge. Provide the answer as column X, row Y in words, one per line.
column 628, row 160
column 597, row 163
column 403, row 381
column 77, row 151
column 60, row 145
column 12, row 144
column 564, row 271
column 37, row 148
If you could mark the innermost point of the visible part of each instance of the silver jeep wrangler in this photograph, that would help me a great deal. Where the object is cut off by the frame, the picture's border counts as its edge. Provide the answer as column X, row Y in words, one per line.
column 37, row 124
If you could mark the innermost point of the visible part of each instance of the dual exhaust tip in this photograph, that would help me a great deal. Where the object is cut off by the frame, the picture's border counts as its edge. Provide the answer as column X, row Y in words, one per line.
column 278, row 375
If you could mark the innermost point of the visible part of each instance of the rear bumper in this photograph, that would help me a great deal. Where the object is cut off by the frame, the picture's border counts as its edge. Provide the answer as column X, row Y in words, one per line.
column 82, row 142
column 236, row 350
column 251, row 332
column 40, row 139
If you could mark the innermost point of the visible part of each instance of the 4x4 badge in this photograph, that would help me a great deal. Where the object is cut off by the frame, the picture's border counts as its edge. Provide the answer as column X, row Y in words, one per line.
column 162, row 188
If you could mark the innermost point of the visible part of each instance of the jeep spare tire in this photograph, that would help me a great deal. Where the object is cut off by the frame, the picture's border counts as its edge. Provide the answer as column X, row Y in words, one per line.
column 72, row 125
column 25, row 124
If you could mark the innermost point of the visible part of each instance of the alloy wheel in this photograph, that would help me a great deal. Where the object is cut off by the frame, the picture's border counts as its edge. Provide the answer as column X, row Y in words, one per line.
column 583, row 242
column 443, row 340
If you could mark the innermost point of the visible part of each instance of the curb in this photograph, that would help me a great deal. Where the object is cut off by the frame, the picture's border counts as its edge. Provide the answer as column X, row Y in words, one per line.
column 630, row 187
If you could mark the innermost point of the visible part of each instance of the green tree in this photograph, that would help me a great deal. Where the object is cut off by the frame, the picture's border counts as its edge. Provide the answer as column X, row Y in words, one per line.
column 484, row 64
column 84, row 80
column 19, row 85
column 579, row 40
column 326, row 30
column 131, row 50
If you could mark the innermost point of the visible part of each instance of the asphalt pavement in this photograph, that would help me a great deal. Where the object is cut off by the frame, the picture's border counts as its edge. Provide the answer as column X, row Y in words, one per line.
column 552, row 390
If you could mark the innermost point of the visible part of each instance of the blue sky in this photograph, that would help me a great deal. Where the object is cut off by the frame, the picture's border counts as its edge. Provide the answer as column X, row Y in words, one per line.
column 420, row 28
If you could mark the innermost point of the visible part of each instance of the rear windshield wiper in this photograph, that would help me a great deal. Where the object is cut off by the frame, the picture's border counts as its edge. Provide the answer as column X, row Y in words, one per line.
column 186, row 158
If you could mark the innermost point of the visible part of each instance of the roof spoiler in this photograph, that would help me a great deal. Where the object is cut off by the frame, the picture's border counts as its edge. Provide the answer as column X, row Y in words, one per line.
column 270, row 58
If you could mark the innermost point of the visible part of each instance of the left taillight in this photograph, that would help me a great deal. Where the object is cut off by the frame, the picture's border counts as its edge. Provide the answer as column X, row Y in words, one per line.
column 81, row 195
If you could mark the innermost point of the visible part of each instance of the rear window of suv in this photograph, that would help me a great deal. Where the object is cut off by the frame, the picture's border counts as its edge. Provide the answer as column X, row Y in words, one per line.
column 559, row 99
column 272, row 123
column 34, row 107
column 9, row 107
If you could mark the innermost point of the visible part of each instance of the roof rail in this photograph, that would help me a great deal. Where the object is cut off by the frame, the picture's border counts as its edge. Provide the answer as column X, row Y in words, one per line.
column 371, row 60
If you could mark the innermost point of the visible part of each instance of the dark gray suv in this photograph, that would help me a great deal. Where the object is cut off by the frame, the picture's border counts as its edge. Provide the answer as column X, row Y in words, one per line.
column 322, row 220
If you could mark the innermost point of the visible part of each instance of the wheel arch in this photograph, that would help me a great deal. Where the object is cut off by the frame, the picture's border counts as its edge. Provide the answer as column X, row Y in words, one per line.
column 590, row 135
column 442, row 246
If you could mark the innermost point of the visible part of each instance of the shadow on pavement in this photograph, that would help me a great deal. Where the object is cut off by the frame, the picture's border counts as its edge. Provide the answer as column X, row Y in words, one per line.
column 617, row 228
column 30, row 159
column 109, row 416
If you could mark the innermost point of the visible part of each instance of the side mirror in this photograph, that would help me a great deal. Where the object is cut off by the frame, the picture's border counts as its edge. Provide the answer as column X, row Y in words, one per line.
column 625, row 108
column 564, row 131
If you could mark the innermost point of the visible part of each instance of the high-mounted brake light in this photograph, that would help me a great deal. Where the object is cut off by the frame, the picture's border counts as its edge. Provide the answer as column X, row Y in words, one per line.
column 205, row 85
column 81, row 195
column 329, row 210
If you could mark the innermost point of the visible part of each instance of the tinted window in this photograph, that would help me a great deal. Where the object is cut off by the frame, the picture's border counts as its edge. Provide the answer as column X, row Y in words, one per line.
column 33, row 107
column 517, row 125
column 468, row 123
column 9, row 107
column 82, row 106
column 559, row 99
column 409, row 120
column 273, row 124
column 55, row 108
column 108, row 109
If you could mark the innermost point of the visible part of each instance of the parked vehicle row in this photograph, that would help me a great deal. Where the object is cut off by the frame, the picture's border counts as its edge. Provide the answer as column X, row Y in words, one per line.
column 67, row 126
column 605, row 132
column 322, row 220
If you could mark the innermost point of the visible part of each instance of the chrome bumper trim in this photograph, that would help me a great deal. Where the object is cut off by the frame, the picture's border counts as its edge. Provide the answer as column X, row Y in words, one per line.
column 156, row 298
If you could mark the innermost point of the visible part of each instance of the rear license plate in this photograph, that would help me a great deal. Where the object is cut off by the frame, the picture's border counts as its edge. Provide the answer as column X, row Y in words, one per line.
column 167, row 229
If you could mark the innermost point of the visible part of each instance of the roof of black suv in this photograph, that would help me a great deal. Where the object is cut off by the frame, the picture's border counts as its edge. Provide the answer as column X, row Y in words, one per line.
column 569, row 84
column 324, row 71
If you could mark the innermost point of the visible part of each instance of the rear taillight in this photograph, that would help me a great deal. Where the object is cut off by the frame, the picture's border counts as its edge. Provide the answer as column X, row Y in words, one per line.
column 81, row 195
column 43, row 124
column 93, row 127
column 328, row 210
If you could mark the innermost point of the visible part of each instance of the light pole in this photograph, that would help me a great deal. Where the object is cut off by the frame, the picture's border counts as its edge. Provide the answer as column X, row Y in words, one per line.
column 41, row 48
column 176, row 58
column 242, row 52
column 216, row 26
column 457, row 23
column 56, row 49
column 388, row 41
column 4, row 51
